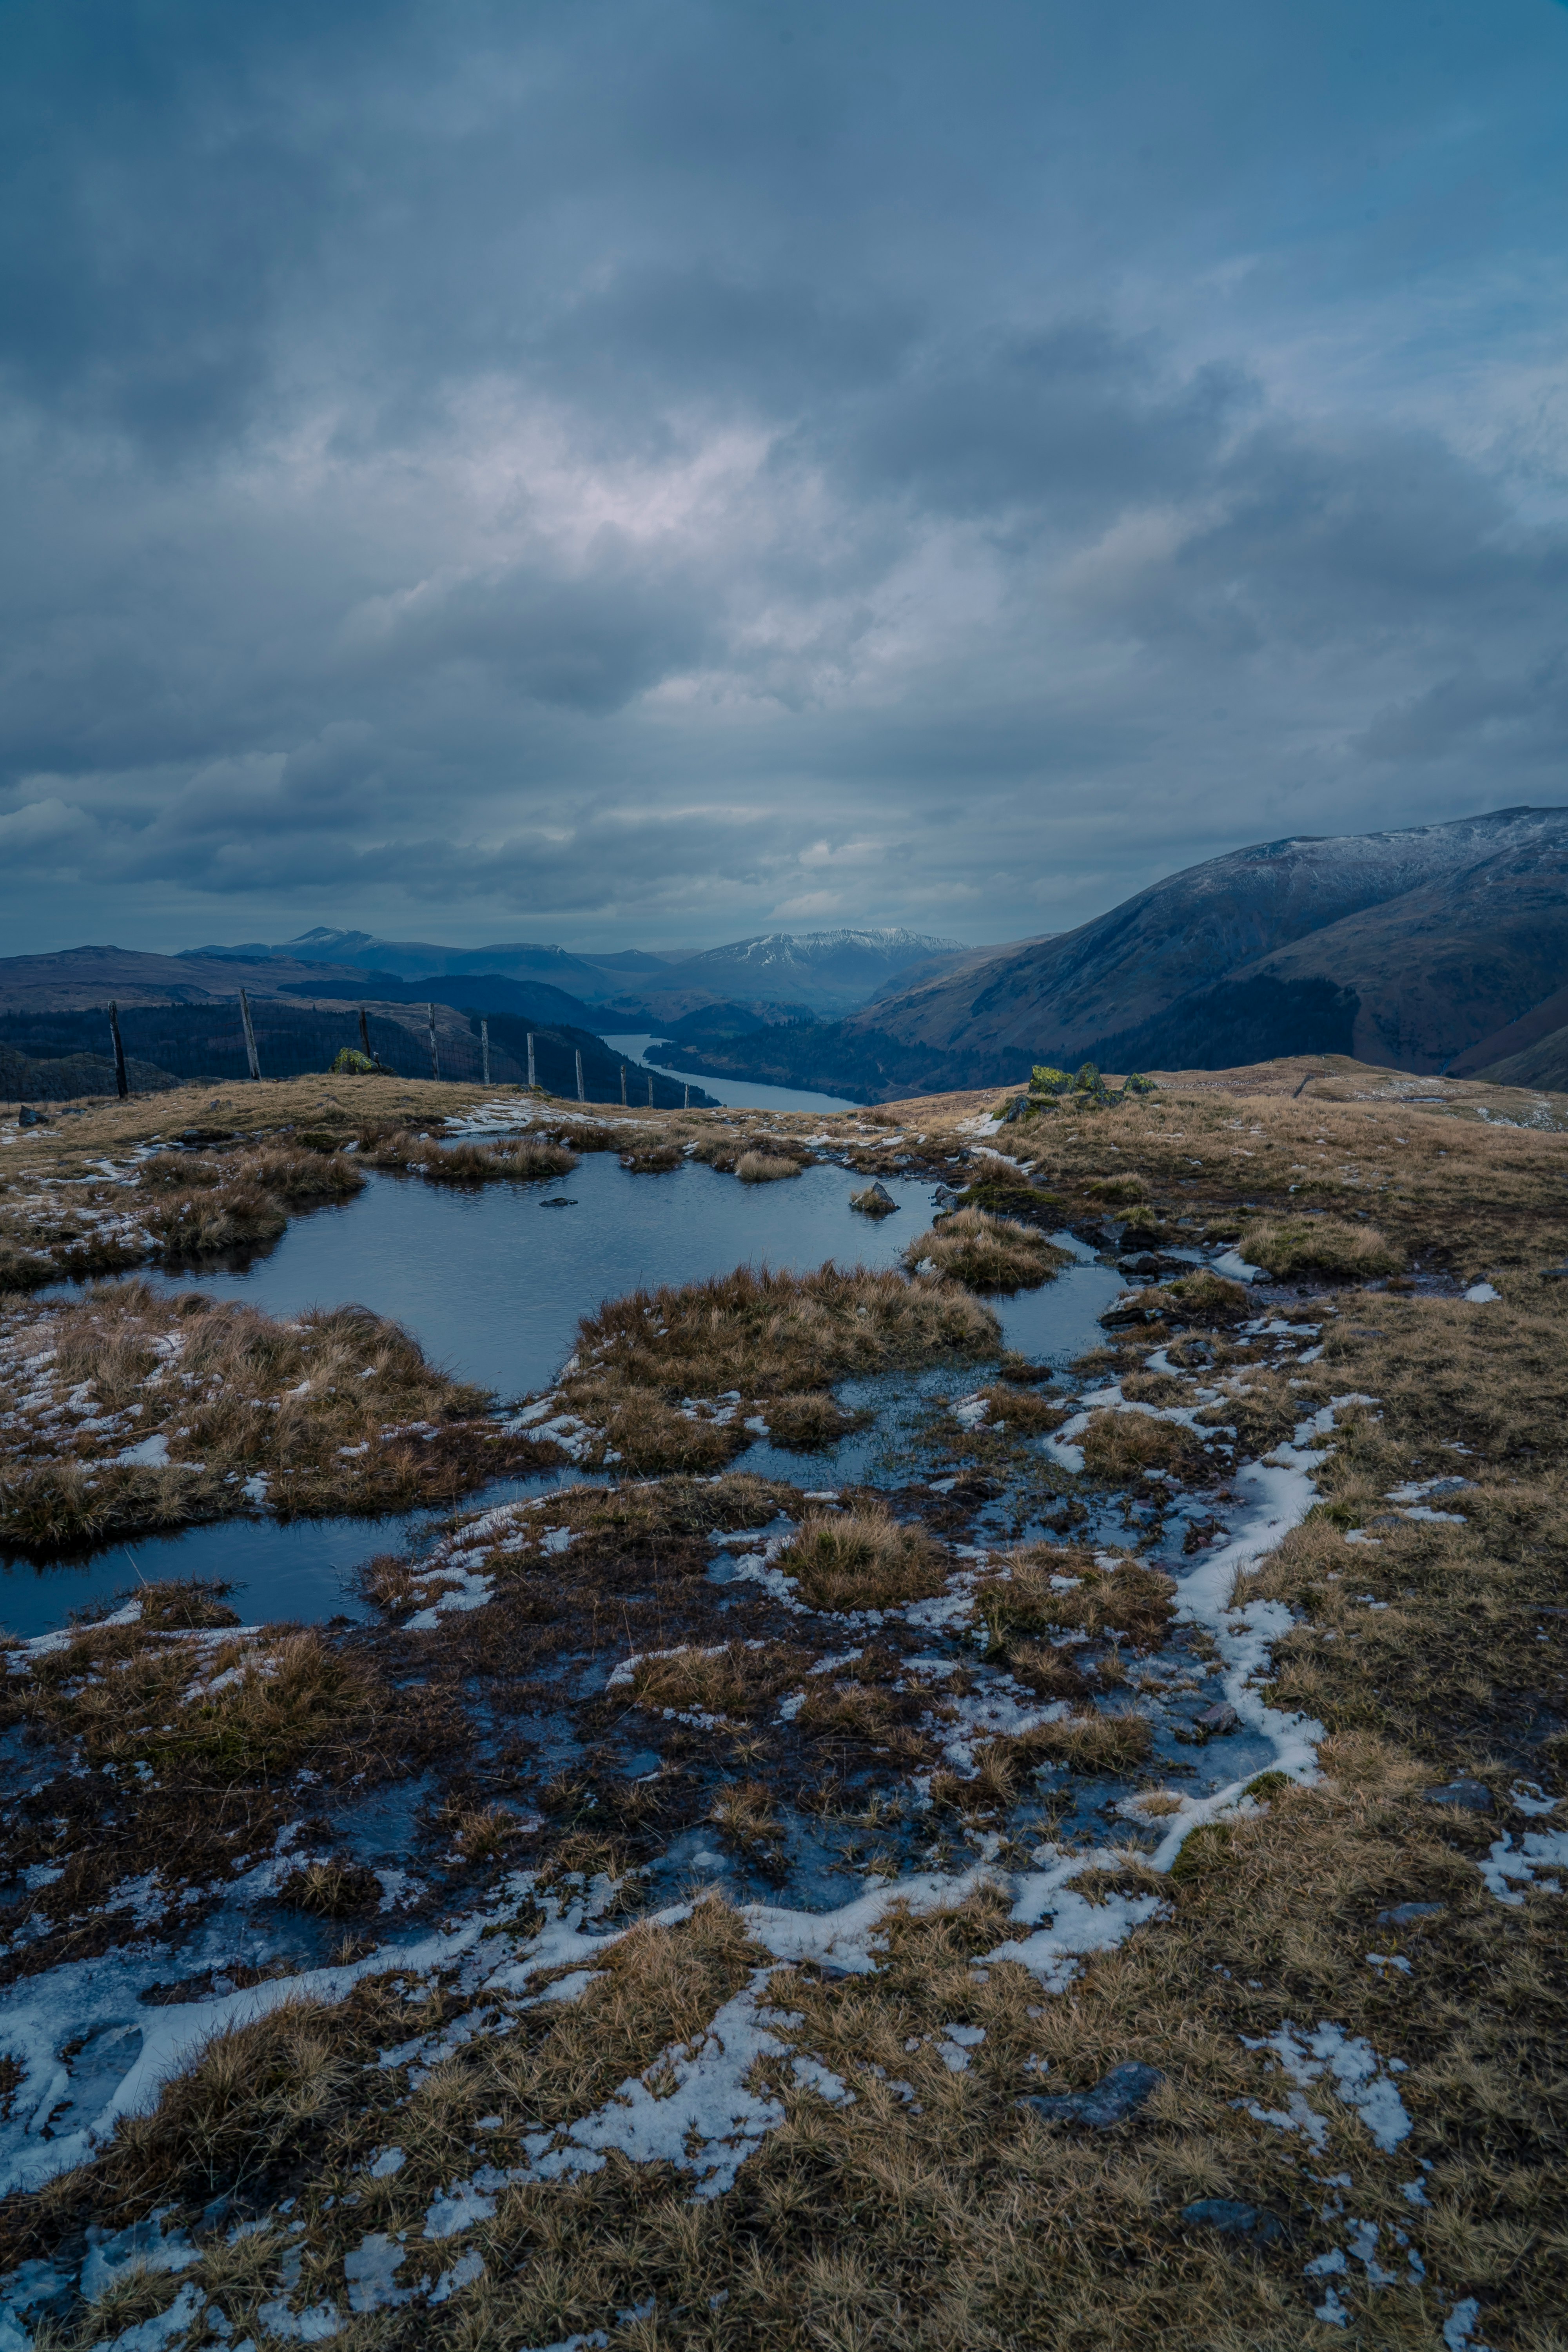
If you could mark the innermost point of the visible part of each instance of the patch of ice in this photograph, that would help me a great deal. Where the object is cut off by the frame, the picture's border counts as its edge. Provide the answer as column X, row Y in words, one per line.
column 165, row 2328
column 1235, row 1268
column 1507, row 1866
column 691, row 2107
column 1358, row 2075
column 1481, row 1294
column 463, row 2273
column 371, row 2272
column 1526, row 1796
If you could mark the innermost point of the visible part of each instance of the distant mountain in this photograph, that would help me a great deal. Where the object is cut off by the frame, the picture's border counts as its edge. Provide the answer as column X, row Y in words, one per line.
column 92, row 975
column 1406, row 948
column 481, row 991
column 815, row 971
column 422, row 960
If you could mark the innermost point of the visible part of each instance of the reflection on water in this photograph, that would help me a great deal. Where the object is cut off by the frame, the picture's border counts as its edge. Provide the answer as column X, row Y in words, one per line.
column 492, row 1283
column 492, row 1286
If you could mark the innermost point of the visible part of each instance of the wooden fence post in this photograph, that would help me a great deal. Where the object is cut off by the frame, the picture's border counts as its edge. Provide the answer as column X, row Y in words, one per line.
column 531, row 1080
column 121, row 1083
column 435, row 1057
column 365, row 1035
column 250, row 1035
column 623, row 1086
column 485, row 1050
column 650, row 1090
column 687, row 1102
column 581, row 1095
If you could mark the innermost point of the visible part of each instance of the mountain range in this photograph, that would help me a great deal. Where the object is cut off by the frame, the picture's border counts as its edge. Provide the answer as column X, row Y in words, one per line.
column 774, row 974
column 1432, row 947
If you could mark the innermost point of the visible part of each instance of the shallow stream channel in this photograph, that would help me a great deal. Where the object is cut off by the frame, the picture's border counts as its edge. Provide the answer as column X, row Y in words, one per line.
column 988, row 1635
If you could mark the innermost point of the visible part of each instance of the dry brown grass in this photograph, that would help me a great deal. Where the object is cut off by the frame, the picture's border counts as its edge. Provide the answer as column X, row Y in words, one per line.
column 764, row 1167
column 731, row 1681
column 656, row 1156
column 333, row 1409
column 1117, row 1192
column 863, row 1558
column 942, row 2217
column 1125, row 1445
column 1035, row 1596
column 986, row 1252
column 764, row 1335
column 1319, row 1245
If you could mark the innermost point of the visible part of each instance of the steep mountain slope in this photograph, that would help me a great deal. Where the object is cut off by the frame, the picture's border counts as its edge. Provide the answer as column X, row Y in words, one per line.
column 1405, row 950
column 1067, row 995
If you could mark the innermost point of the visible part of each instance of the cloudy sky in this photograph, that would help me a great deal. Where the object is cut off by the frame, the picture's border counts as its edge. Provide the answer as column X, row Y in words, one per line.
column 645, row 471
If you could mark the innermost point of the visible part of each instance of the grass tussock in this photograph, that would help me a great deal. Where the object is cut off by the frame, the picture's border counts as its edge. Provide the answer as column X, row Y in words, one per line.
column 530, row 1159
column 764, row 1167
column 651, row 1364
column 1046, row 1589
column 1327, row 1247
column 809, row 1423
column 338, row 1410
column 1090, row 1742
column 863, row 1558
column 1117, row 1192
column 1121, row 1446
column 247, row 1711
column 986, row 1253
column 732, row 1681
column 1022, row 1410
column 657, row 1155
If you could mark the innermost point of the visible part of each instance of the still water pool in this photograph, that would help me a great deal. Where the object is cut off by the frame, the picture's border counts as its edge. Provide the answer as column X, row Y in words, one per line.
column 492, row 1283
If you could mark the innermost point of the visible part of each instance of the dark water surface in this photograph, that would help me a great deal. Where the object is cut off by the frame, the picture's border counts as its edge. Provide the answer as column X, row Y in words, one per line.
column 492, row 1283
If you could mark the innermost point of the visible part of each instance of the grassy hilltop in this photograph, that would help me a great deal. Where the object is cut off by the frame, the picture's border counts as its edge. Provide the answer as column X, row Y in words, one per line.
column 597, row 2096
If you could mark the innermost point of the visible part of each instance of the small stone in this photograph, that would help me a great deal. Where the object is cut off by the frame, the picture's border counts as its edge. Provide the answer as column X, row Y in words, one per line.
column 1218, row 1722
column 1404, row 1914
column 1120, row 2095
column 1231, row 2219
column 1463, row 1796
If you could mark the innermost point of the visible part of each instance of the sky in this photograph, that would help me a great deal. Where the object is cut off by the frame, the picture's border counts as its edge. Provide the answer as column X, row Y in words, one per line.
column 632, row 474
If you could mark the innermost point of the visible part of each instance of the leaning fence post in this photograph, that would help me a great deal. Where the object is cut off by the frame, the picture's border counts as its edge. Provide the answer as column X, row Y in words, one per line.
column 531, row 1077
column 485, row 1050
column 435, row 1057
column 250, row 1035
column 121, row 1083
column 623, row 1086
column 365, row 1035
column 581, row 1095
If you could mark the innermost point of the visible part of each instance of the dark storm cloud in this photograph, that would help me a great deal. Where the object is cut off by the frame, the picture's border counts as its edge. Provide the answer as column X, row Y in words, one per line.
column 599, row 463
